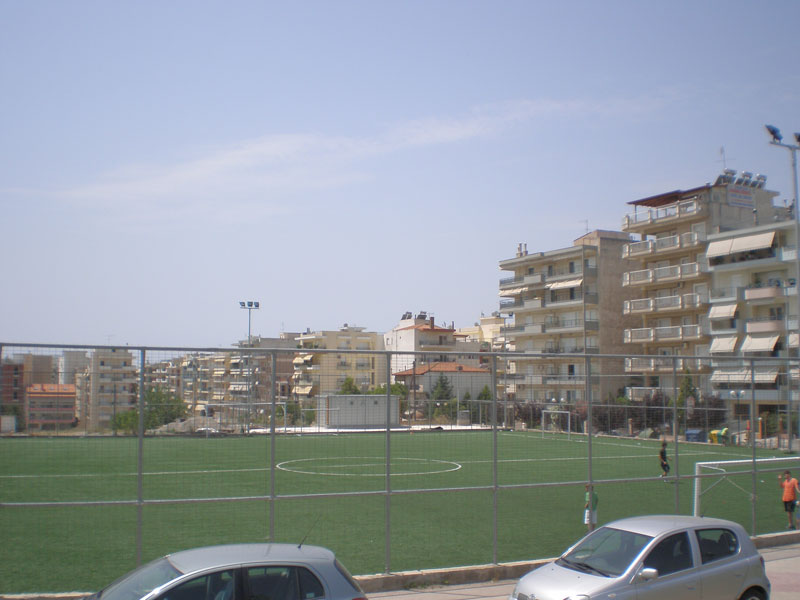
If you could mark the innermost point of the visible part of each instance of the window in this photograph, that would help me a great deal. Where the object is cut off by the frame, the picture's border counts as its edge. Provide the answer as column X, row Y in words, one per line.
column 283, row 583
column 671, row 555
column 716, row 544
column 214, row 586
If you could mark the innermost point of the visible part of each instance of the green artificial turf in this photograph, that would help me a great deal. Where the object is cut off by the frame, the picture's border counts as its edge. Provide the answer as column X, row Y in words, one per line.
column 331, row 491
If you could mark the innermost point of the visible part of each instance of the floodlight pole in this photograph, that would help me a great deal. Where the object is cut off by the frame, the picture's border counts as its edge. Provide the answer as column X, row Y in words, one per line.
column 249, row 306
column 792, row 148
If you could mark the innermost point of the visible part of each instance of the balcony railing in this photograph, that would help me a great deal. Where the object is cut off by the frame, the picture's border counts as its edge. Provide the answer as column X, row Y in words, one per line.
column 664, row 334
column 650, row 216
column 663, row 274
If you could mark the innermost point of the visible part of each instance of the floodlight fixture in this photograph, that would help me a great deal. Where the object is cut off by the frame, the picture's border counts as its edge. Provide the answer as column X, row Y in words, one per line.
column 249, row 306
column 797, row 138
column 774, row 132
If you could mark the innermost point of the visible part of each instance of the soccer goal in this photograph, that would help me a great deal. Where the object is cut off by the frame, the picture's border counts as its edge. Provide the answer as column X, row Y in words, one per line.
column 554, row 423
column 734, row 476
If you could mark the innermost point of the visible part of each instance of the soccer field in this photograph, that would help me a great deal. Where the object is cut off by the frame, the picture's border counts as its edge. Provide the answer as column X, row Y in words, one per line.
column 69, row 510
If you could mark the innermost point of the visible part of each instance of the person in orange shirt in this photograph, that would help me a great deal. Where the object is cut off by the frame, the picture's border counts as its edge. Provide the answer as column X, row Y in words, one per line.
column 790, row 493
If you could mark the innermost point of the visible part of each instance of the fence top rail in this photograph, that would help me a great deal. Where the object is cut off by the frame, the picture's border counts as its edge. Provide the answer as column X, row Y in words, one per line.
column 676, row 358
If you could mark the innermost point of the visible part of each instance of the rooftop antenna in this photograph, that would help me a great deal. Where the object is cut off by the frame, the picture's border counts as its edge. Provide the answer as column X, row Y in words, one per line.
column 585, row 224
column 723, row 158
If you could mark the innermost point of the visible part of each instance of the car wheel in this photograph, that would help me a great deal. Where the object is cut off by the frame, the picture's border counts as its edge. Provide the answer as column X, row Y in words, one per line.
column 753, row 594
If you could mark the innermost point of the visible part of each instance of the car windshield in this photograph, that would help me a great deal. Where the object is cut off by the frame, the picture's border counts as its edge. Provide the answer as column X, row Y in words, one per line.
column 140, row 582
column 606, row 552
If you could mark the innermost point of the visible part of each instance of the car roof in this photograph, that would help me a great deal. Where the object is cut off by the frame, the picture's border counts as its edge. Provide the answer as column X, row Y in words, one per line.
column 199, row 559
column 654, row 525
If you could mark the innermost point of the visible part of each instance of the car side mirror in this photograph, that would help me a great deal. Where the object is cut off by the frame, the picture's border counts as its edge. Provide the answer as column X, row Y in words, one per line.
column 647, row 574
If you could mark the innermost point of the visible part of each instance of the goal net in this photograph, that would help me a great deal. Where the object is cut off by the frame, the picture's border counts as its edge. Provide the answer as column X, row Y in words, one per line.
column 728, row 478
column 556, row 421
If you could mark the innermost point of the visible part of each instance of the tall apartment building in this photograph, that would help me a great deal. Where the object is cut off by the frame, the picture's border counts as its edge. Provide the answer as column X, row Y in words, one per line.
column 563, row 302
column 671, row 277
column 320, row 373
column 110, row 385
column 754, row 314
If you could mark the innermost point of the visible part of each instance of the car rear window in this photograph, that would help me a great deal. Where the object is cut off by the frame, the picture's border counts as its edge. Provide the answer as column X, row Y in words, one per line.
column 346, row 575
column 716, row 544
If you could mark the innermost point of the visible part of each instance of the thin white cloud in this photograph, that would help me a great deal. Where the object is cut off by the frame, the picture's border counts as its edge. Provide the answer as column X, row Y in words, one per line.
column 262, row 172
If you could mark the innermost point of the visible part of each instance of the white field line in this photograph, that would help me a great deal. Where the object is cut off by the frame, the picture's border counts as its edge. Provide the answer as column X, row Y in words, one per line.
column 357, row 465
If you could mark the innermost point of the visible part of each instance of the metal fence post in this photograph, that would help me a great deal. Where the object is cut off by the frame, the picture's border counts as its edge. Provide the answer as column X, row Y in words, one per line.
column 675, row 432
column 753, row 421
column 140, row 467
column 494, row 459
column 273, row 386
column 588, row 394
column 388, row 518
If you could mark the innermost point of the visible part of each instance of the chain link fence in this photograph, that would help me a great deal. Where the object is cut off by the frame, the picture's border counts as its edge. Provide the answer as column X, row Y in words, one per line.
column 115, row 455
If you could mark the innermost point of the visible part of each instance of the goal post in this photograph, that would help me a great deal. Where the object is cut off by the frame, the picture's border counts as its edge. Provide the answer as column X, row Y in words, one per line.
column 547, row 419
column 710, row 474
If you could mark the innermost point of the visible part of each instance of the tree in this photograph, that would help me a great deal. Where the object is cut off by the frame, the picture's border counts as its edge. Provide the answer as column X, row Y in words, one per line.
column 160, row 407
column 349, row 387
column 396, row 389
column 443, row 390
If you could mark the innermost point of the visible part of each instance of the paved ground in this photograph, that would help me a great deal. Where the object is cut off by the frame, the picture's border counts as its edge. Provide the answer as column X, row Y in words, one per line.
column 783, row 570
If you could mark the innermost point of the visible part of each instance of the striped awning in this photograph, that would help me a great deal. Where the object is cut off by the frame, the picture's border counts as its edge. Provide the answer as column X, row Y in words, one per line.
column 719, row 248
column 513, row 291
column 752, row 242
column 759, row 343
column 569, row 283
column 722, row 311
column 723, row 344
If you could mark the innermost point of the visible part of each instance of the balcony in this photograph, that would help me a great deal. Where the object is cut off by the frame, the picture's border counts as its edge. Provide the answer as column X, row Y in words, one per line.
column 766, row 325
column 774, row 288
column 639, row 394
column 667, row 303
column 643, row 219
column 533, row 304
column 565, row 325
column 673, row 243
column 675, row 333
column 669, row 273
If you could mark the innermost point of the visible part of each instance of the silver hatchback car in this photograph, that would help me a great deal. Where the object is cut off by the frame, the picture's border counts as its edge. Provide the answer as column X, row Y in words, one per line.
column 236, row 572
column 653, row 558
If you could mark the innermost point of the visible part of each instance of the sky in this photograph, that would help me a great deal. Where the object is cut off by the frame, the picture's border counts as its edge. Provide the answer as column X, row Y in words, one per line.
column 346, row 162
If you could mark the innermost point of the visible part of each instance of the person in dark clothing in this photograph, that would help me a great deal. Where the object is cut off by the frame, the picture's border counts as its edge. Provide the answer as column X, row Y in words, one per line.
column 662, row 457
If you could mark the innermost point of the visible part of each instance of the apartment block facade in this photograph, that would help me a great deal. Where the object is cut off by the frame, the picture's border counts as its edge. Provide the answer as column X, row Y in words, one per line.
column 671, row 277
column 110, row 385
column 561, row 303
column 322, row 373
column 754, row 315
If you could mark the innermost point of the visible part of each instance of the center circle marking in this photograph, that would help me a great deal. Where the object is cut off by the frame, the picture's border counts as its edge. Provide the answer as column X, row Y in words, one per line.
column 334, row 465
